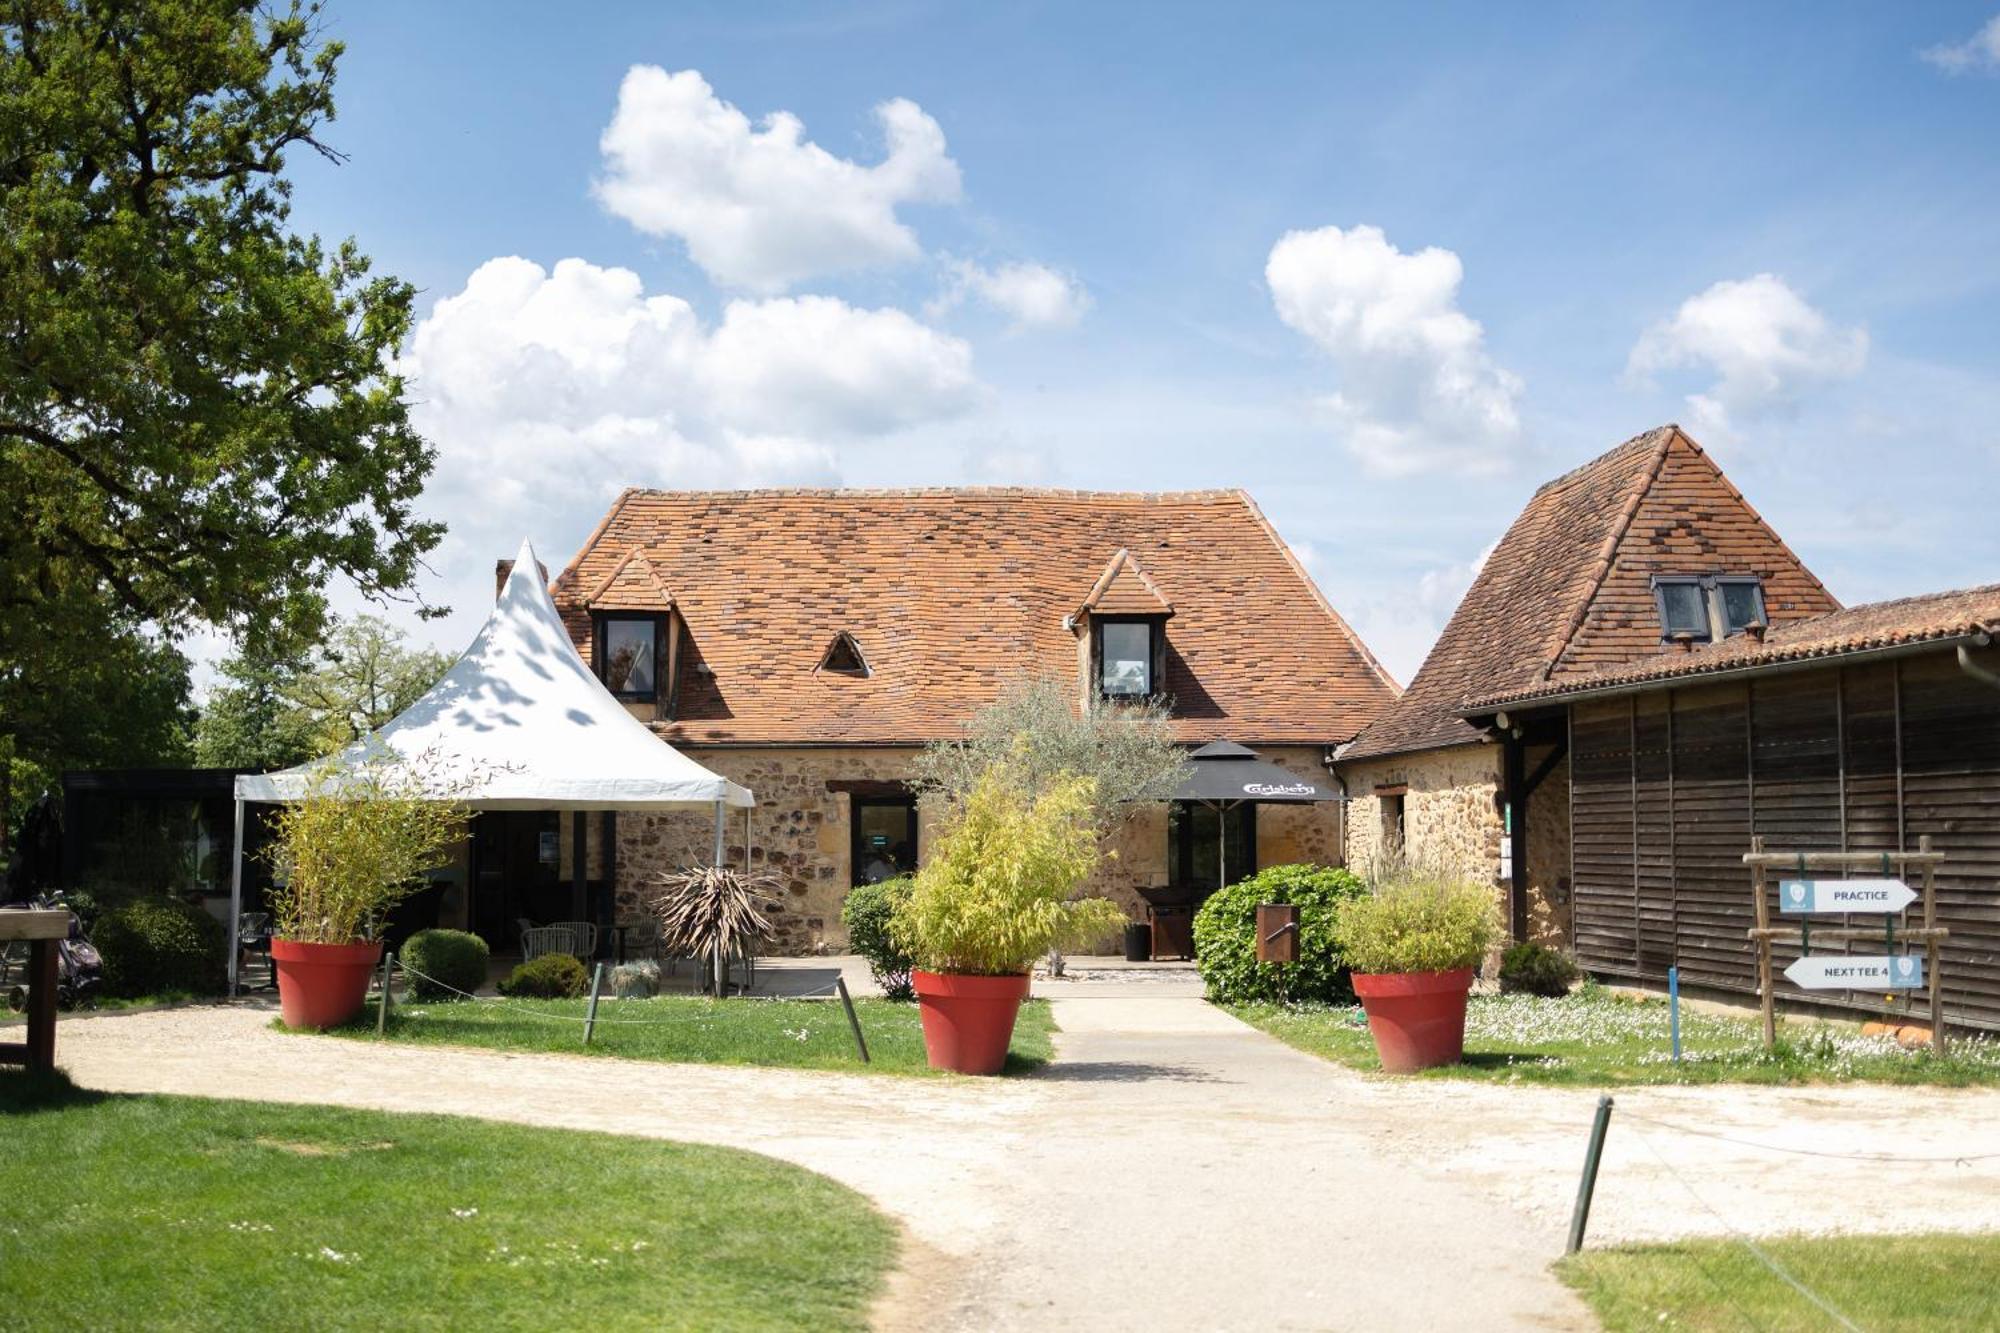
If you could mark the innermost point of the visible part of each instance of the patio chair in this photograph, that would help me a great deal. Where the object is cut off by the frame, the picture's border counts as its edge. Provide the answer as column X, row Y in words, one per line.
column 539, row 940
column 585, row 934
column 253, row 936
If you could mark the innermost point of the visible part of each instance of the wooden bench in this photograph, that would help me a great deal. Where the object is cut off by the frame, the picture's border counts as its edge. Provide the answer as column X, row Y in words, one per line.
column 42, row 930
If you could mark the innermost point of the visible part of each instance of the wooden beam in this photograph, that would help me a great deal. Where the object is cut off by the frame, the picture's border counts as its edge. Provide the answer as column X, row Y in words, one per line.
column 1796, row 934
column 1838, row 860
column 1546, row 767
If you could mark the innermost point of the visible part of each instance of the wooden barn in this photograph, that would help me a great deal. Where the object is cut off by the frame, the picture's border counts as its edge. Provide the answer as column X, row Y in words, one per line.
column 1859, row 730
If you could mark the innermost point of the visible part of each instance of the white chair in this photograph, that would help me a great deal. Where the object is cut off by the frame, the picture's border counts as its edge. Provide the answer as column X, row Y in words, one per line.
column 539, row 940
column 585, row 935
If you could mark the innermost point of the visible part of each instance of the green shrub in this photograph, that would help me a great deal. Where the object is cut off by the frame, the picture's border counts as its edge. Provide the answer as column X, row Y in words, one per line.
column 450, row 961
column 155, row 945
column 1535, row 970
column 866, row 914
column 1417, row 921
column 1225, row 937
column 553, row 976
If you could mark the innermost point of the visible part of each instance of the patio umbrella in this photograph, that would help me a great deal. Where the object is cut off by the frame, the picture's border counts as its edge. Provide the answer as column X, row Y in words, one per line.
column 1226, row 775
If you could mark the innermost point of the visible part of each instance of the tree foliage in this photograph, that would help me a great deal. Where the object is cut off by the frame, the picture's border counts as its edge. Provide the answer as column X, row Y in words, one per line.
column 279, row 707
column 1034, row 736
column 995, row 895
column 197, row 416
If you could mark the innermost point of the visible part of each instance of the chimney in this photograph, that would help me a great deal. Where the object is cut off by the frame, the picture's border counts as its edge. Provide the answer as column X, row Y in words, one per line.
column 502, row 568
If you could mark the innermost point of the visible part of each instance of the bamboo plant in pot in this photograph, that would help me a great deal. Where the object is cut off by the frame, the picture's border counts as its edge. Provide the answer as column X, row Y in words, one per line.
column 994, row 898
column 1413, row 944
column 342, row 857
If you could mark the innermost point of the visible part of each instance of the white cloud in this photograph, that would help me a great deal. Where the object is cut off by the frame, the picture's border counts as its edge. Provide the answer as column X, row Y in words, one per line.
column 1400, row 626
column 1977, row 53
column 1760, row 339
column 761, row 206
column 1418, row 390
column 1032, row 296
column 547, row 392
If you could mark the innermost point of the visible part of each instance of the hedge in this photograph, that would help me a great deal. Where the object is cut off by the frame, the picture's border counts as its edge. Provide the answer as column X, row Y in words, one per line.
column 1225, row 937
column 155, row 945
column 444, row 963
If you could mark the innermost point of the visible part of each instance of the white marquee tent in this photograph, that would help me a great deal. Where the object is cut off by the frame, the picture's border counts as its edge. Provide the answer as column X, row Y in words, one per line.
column 521, row 724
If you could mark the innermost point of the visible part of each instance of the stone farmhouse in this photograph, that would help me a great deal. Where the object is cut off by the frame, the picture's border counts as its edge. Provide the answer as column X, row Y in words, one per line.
column 1641, row 680
column 807, row 643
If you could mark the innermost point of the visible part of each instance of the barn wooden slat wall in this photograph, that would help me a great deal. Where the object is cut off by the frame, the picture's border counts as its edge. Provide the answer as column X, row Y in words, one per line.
column 1669, row 786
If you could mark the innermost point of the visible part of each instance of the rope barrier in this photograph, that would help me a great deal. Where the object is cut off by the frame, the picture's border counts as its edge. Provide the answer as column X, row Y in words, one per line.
column 1959, row 1159
column 1824, row 1306
column 494, row 1002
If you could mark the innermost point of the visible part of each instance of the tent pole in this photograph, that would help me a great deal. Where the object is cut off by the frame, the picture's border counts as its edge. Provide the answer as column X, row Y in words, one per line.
column 235, row 897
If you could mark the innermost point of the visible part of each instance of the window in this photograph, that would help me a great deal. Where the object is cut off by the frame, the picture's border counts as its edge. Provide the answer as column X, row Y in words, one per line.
column 1392, row 824
column 1742, row 604
column 844, row 657
column 1702, row 608
column 628, row 654
column 1125, row 651
column 1196, row 855
column 885, row 838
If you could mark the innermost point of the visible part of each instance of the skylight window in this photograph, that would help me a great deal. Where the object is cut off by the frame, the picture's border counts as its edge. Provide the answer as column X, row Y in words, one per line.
column 1701, row 608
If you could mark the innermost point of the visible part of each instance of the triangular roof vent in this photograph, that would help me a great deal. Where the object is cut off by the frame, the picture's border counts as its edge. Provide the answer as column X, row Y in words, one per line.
column 843, row 657
column 1124, row 590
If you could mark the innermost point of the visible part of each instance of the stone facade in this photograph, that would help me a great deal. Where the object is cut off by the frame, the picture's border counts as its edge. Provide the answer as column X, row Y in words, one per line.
column 1452, row 821
column 801, row 835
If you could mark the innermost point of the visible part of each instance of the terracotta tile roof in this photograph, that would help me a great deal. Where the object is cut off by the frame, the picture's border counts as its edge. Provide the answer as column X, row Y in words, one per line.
column 1932, row 618
column 1124, row 590
column 630, row 586
column 1568, row 589
column 949, row 593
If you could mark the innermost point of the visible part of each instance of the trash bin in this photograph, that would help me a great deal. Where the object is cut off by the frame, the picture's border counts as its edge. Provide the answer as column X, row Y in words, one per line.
column 1138, row 942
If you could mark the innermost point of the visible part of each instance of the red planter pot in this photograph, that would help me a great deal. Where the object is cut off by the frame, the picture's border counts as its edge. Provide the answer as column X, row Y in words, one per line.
column 322, row 985
column 968, row 1021
column 1416, row 1018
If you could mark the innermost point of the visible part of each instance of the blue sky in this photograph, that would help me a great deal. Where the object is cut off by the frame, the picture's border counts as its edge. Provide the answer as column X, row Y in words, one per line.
column 1045, row 244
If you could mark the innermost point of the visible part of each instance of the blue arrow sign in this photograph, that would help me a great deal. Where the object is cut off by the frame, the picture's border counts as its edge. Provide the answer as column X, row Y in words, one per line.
column 1901, row 971
column 1801, row 896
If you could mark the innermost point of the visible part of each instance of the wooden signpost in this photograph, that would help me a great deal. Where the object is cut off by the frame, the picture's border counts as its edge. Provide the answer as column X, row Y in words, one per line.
column 1801, row 895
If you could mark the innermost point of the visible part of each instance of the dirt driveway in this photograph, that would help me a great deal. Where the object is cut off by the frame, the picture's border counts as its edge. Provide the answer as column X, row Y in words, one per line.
column 1173, row 1168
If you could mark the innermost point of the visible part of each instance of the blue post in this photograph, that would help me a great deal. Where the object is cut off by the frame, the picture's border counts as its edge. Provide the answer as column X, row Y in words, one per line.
column 1674, row 1008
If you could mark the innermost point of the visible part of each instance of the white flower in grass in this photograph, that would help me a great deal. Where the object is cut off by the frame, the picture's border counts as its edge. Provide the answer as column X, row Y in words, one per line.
column 463, row 1213
column 333, row 1256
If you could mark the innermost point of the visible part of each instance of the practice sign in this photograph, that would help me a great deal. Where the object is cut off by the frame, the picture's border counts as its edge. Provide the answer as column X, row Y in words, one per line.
column 1882, row 972
column 1844, row 895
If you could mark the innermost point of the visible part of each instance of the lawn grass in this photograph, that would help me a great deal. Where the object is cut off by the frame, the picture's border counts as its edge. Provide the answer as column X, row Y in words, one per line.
column 1880, row 1283
column 122, row 1212
column 793, row 1034
column 1596, row 1039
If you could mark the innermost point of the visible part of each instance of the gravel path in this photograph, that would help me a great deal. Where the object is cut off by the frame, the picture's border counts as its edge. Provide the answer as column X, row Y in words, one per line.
column 1173, row 1168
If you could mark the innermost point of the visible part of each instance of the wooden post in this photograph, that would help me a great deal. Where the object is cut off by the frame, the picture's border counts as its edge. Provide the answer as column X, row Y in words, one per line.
column 1766, row 999
column 42, row 1005
column 1931, row 947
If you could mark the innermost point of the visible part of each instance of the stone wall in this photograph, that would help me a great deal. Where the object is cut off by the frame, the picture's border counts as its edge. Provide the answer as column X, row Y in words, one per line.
column 800, row 834
column 1451, row 819
column 1549, row 854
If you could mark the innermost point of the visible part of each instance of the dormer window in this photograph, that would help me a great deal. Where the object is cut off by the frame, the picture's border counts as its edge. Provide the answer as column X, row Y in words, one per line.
column 1702, row 608
column 628, row 656
column 1127, row 656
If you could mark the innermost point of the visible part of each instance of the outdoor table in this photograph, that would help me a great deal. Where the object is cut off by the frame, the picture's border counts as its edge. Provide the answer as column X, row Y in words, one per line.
column 42, row 929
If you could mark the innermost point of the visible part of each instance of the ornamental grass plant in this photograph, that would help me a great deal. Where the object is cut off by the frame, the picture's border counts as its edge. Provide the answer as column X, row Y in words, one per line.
column 997, row 894
column 357, row 844
column 1416, row 919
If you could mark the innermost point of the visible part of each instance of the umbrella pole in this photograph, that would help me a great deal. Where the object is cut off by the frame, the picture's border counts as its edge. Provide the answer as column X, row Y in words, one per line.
column 721, row 951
